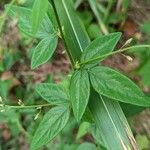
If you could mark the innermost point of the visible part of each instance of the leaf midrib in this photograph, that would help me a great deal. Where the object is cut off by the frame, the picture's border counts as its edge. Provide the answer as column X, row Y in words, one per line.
column 49, row 39
column 101, row 47
column 59, row 116
column 72, row 25
column 117, row 132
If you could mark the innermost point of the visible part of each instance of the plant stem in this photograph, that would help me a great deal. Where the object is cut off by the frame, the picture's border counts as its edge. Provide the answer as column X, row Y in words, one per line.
column 28, row 106
column 109, row 7
column 98, row 17
column 23, row 130
column 62, row 35
column 101, row 8
column 113, row 53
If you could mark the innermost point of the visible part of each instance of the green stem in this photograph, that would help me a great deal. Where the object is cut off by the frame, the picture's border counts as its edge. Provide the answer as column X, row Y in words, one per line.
column 62, row 35
column 98, row 17
column 101, row 8
column 110, row 4
column 113, row 53
column 27, row 107
column 23, row 130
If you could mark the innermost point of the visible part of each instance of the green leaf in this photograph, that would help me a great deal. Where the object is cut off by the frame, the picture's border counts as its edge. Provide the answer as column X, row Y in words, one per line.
column 94, row 7
column 24, row 18
column 46, row 29
column 74, row 33
column 131, row 110
column 79, row 92
column 87, row 116
column 100, row 46
column 70, row 147
column 83, row 129
column 1, row 67
column 87, row 146
column 39, row 10
column 109, row 124
column 98, row 136
column 52, row 93
column 86, row 17
column 143, row 142
column 94, row 31
column 53, row 122
column 44, row 51
column 52, row 16
column 145, row 73
column 17, row 11
column 5, row 86
column 24, row 14
column 114, row 85
column 145, row 28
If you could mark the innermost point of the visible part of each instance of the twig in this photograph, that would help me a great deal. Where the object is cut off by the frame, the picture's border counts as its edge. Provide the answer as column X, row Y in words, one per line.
column 27, row 106
column 113, row 53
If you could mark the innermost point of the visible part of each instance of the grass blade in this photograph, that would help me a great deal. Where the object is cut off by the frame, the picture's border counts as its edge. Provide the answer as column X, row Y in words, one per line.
column 93, row 5
column 115, row 124
column 72, row 30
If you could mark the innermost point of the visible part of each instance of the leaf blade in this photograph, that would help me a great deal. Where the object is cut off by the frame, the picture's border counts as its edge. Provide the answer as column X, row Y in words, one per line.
column 100, row 46
column 43, row 51
column 103, row 110
column 72, row 28
column 79, row 92
column 87, row 146
column 52, row 93
column 112, row 84
column 53, row 122
column 24, row 14
column 38, row 12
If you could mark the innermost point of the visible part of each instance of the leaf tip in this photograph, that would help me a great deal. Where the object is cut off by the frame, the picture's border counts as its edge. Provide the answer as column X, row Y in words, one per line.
column 33, row 65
